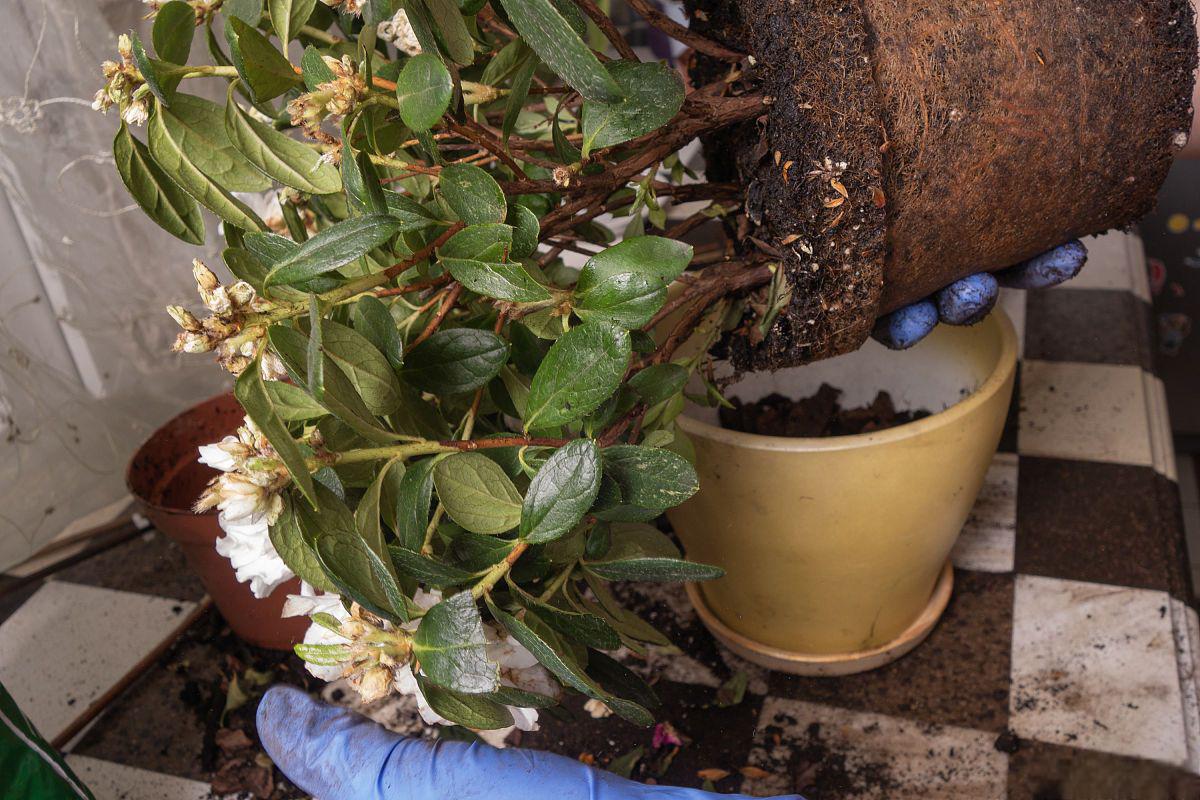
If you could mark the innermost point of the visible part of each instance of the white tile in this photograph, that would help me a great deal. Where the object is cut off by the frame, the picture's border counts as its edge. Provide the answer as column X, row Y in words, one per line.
column 1092, row 412
column 69, row 643
column 1158, row 420
column 880, row 756
column 1116, row 260
column 1095, row 666
column 109, row 781
column 989, row 535
column 1187, row 653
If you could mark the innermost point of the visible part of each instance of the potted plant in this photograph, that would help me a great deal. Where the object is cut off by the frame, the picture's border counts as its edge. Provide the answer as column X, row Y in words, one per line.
column 454, row 440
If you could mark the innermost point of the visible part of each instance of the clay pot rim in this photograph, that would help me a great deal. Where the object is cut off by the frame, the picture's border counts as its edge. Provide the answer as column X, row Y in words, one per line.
column 1006, row 364
column 145, row 501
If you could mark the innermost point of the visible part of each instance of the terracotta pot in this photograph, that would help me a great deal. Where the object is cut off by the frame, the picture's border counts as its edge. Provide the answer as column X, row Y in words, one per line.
column 913, row 142
column 835, row 549
column 166, row 479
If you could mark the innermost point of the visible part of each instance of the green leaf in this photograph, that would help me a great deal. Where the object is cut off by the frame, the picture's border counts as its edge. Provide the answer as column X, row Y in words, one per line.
column 653, row 95
column 294, row 549
column 254, row 398
column 452, row 648
column 412, row 503
column 509, row 696
column 424, row 89
column 366, row 514
column 455, row 361
column 427, row 569
column 174, row 27
column 334, row 247
column 373, row 320
column 624, row 621
column 313, row 69
column 198, row 126
column 526, row 231
column 561, row 492
column 615, row 677
column 497, row 279
column 170, row 207
column 472, row 194
column 517, row 95
column 627, row 299
column 654, row 257
column 266, row 71
column 412, row 215
column 469, row 710
column 640, row 552
column 658, row 382
column 475, row 240
column 292, row 403
column 584, row 628
column 581, row 370
column 650, row 477
column 367, row 368
column 557, row 44
column 246, row 10
column 361, row 181
column 314, row 357
column 277, row 154
column 453, row 34
column 162, row 88
column 167, row 152
column 477, row 494
column 288, row 15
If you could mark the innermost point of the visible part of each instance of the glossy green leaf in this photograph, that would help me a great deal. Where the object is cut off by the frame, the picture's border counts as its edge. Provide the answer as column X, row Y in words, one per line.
column 643, row 553
column 496, row 279
column 423, row 89
column 259, row 406
column 334, row 247
column 266, row 71
column 658, row 382
column 474, row 240
column 198, row 127
column 412, row 215
column 455, row 361
column 650, row 477
column 174, row 28
column 170, row 207
column 278, row 155
column 292, row 403
column 477, row 712
column 526, row 230
column 654, row 257
column 373, row 320
column 518, row 93
column 628, row 300
column 288, row 15
column 313, row 69
column 366, row 367
column 453, row 34
column 167, row 152
column 653, row 95
column 412, row 503
column 452, row 648
column 584, row 628
column 367, row 512
column 154, row 73
column 472, row 194
column 428, row 570
column 561, row 492
column 579, row 373
column 477, row 494
column 294, row 549
column 557, row 44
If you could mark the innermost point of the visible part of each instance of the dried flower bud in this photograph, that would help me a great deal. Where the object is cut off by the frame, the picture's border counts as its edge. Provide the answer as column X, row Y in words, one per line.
column 562, row 176
column 184, row 318
column 189, row 342
column 241, row 294
column 206, row 279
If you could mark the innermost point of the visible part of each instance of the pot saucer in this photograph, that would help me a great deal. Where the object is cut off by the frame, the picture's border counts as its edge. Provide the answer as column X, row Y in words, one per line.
column 828, row 664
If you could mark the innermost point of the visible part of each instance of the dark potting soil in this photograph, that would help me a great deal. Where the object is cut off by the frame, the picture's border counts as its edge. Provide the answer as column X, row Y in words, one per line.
column 815, row 416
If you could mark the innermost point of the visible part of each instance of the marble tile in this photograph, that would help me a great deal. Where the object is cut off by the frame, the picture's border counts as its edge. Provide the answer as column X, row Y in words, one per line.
column 1095, row 667
column 987, row 539
column 69, row 643
column 1096, row 326
column 824, row 752
column 1162, row 445
column 1095, row 412
column 1186, row 626
column 109, row 781
column 1116, row 260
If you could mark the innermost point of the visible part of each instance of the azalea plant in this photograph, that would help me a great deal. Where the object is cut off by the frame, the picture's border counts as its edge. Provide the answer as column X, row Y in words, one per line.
column 456, row 440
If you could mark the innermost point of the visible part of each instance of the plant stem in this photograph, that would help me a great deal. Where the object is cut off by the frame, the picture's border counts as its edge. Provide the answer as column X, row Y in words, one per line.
column 557, row 583
column 318, row 34
column 498, row 571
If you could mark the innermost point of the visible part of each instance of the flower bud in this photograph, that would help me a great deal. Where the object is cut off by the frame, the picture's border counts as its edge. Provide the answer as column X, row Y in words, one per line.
column 206, row 279
column 241, row 294
column 185, row 318
column 190, row 342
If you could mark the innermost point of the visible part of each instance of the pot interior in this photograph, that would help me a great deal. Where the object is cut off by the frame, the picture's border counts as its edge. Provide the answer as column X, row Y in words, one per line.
column 943, row 369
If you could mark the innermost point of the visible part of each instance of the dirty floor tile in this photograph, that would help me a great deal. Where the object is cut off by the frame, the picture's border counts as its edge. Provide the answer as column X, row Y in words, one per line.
column 69, row 643
column 109, row 781
column 986, row 541
column 1098, row 326
column 1094, row 412
column 829, row 753
column 1095, row 666
column 1115, row 261
column 1037, row 771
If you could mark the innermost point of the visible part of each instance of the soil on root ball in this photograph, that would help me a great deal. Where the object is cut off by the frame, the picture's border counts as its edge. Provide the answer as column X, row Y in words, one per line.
column 818, row 415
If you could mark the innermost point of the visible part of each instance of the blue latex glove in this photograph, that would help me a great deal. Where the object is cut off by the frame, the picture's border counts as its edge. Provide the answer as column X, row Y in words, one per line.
column 335, row 754
column 969, row 300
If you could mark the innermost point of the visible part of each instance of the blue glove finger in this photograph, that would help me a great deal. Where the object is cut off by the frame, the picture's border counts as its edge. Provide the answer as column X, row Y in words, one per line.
column 906, row 326
column 335, row 754
column 968, row 301
column 1049, row 269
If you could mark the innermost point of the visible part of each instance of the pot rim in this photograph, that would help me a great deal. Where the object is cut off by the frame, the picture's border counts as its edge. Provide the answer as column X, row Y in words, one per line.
column 1006, row 364
column 145, row 502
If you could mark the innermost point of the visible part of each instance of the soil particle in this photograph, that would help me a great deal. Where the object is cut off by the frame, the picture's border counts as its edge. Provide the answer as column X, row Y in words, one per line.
column 818, row 415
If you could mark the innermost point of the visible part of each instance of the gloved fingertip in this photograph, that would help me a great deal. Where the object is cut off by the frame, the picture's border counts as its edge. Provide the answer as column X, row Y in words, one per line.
column 1048, row 269
column 906, row 326
column 969, row 300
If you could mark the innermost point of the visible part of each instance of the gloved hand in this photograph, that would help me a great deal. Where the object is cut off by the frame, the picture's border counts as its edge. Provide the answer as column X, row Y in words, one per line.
column 335, row 754
column 969, row 300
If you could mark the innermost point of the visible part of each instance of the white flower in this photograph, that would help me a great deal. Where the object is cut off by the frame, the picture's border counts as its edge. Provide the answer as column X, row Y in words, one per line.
column 136, row 113
column 307, row 603
column 226, row 455
column 399, row 31
column 271, row 367
column 247, row 545
column 244, row 499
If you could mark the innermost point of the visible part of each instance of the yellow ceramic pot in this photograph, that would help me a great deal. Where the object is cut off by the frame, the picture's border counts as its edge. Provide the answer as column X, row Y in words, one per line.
column 833, row 547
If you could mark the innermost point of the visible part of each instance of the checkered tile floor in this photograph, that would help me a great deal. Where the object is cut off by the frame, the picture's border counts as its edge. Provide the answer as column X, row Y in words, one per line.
column 1064, row 666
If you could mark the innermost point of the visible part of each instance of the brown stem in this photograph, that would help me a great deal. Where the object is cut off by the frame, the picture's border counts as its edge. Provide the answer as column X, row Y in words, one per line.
column 607, row 27
column 683, row 34
column 481, row 137
column 447, row 303
column 425, row 252
column 429, row 283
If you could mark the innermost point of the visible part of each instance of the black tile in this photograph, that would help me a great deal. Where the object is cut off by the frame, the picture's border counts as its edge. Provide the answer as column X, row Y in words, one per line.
column 1098, row 326
column 11, row 597
column 147, row 564
column 1039, row 771
column 958, row 676
column 1012, row 421
column 1104, row 523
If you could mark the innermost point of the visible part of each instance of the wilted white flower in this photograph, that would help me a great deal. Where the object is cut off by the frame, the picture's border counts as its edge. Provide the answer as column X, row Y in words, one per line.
column 271, row 367
column 226, row 455
column 399, row 31
column 597, row 708
column 247, row 545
